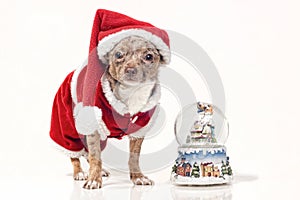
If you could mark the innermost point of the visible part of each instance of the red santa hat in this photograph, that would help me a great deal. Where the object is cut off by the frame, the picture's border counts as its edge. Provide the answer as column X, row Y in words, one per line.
column 109, row 28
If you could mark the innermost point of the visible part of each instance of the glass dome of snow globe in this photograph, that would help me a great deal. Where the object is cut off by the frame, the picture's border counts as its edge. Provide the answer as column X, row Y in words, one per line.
column 201, row 125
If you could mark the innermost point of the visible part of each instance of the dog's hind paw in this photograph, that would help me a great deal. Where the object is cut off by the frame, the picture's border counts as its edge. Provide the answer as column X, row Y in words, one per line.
column 80, row 176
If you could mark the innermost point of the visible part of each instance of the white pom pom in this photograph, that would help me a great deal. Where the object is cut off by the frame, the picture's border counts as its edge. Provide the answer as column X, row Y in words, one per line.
column 87, row 119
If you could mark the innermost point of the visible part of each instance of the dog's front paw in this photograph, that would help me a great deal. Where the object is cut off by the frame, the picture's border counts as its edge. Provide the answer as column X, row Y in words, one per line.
column 91, row 183
column 80, row 176
column 140, row 179
column 94, row 181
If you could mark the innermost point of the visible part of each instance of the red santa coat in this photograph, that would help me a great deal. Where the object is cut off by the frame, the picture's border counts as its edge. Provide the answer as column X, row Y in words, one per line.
column 114, row 123
column 84, row 102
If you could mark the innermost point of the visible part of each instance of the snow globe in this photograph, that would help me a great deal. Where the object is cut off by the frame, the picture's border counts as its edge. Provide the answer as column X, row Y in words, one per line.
column 201, row 130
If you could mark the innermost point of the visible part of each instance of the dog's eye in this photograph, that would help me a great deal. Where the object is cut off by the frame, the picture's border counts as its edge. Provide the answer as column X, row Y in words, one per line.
column 118, row 55
column 149, row 57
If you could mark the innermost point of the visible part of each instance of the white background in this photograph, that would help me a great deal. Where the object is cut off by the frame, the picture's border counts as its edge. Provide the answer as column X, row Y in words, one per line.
column 254, row 44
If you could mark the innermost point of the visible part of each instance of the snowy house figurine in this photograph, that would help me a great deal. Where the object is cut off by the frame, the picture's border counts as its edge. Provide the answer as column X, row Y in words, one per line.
column 201, row 130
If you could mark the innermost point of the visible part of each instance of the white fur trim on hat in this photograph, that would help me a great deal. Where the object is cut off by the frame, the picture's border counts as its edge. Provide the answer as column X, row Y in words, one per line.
column 88, row 120
column 109, row 42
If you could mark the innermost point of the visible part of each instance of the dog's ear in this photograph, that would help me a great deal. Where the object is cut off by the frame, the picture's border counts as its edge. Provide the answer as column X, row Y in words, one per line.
column 162, row 62
column 106, row 57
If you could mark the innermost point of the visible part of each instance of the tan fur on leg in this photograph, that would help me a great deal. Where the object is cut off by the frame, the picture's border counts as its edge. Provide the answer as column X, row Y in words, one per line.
column 136, row 176
column 78, row 174
column 94, row 180
column 104, row 172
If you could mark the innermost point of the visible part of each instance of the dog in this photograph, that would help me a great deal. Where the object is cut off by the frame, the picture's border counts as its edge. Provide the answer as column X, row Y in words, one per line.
column 114, row 95
column 132, row 74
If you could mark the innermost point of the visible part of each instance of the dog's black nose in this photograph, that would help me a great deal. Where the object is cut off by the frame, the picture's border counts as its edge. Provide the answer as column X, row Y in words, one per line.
column 131, row 71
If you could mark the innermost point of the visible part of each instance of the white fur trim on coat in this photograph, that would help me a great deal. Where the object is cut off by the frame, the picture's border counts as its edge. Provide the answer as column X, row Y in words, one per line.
column 118, row 105
column 88, row 120
column 122, row 108
column 154, row 98
column 108, row 43
column 69, row 153
column 143, row 131
column 73, row 84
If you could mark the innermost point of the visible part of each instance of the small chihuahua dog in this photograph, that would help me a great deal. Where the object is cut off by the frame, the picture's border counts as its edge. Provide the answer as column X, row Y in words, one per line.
column 131, row 77
column 114, row 95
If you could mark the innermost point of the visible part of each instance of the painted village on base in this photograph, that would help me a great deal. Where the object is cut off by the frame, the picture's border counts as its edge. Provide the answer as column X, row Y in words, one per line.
column 205, row 169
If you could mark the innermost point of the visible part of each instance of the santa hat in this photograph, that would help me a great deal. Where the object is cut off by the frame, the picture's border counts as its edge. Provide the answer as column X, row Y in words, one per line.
column 109, row 28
